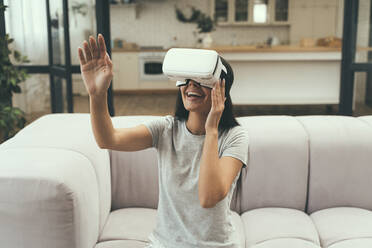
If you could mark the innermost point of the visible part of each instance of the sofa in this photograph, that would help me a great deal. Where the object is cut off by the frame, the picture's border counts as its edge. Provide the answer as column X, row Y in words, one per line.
column 308, row 184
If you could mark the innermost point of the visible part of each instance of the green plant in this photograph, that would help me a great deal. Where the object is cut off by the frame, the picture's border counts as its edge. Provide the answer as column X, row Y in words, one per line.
column 205, row 22
column 11, row 118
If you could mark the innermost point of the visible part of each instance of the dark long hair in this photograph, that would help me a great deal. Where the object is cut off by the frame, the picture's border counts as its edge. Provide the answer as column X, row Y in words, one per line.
column 227, row 120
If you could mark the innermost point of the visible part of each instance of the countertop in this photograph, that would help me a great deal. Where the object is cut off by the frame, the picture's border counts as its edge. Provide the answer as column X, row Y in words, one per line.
column 245, row 48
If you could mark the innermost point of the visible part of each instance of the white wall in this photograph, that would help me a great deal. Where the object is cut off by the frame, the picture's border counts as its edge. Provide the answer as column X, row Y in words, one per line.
column 157, row 23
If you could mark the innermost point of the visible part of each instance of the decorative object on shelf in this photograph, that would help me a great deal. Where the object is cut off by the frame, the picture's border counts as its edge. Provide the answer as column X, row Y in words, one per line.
column 330, row 41
column 205, row 24
column 117, row 43
column 273, row 41
column 11, row 118
column 307, row 42
column 198, row 39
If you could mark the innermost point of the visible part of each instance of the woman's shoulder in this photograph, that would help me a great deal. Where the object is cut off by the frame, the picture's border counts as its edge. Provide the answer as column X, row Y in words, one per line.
column 238, row 129
column 168, row 120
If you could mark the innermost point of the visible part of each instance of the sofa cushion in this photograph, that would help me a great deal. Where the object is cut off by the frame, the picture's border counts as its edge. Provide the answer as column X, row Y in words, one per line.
column 121, row 244
column 268, row 224
column 341, row 150
column 129, row 223
column 341, row 225
column 134, row 179
column 134, row 175
column 136, row 224
column 285, row 243
column 353, row 243
column 277, row 172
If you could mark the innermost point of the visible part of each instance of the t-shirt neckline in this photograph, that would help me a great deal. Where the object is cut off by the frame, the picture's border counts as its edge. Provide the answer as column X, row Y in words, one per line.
column 190, row 133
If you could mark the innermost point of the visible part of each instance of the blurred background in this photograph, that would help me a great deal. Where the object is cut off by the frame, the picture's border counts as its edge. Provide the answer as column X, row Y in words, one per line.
column 290, row 57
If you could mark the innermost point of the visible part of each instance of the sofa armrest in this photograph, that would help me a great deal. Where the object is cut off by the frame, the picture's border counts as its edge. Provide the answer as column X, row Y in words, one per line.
column 48, row 198
column 69, row 134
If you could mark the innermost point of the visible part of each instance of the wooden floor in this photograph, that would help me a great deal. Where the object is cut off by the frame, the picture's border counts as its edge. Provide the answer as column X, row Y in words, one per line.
column 165, row 104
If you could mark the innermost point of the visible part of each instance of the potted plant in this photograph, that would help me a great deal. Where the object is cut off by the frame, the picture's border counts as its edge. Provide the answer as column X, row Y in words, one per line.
column 12, row 119
column 205, row 24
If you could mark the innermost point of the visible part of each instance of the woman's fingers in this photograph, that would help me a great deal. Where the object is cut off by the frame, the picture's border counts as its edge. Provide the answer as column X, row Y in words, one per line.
column 216, row 89
column 223, row 89
column 102, row 46
column 81, row 56
column 109, row 62
column 88, row 53
column 93, row 45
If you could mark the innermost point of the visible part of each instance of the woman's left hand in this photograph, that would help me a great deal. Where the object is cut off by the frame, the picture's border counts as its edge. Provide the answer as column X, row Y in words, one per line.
column 218, row 105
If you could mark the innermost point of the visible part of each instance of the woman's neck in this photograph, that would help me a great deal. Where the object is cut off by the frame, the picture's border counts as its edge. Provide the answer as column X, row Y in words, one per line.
column 196, row 123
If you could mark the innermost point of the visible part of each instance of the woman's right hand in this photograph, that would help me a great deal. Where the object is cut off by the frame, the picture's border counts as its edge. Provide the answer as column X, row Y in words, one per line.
column 95, row 66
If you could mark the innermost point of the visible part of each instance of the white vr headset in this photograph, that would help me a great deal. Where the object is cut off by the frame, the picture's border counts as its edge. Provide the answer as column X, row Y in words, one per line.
column 200, row 65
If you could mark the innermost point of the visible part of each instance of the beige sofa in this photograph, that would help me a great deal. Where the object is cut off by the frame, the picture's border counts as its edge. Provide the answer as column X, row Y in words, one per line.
column 308, row 185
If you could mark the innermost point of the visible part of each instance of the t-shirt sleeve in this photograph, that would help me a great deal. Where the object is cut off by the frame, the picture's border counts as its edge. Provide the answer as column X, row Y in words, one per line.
column 237, row 145
column 156, row 127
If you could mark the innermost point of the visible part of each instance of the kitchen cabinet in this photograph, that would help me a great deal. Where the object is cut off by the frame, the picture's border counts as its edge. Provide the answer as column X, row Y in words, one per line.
column 314, row 19
column 125, row 69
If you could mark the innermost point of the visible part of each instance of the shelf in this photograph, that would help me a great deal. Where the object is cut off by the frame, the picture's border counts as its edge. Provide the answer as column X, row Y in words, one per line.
column 128, row 5
column 228, row 24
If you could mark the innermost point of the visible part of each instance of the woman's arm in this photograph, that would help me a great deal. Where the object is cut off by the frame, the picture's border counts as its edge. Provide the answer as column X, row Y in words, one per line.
column 96, row 70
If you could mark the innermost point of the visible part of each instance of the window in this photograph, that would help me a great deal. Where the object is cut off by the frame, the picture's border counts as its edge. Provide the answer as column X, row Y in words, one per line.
column 221, row 9
column 281, row 10
column 241, row 10
column 260, row 11
column 250, row 12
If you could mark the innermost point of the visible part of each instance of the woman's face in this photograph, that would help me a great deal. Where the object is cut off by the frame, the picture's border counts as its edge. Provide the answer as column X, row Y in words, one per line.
column 199, row 104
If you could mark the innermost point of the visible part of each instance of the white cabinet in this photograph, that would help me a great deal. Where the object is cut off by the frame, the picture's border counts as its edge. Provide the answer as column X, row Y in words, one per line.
column 314, row 19
column 125, row 70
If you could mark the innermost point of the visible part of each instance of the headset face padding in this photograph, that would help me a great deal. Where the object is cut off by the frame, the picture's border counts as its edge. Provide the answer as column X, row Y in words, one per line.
column 182, row 83
column 203, row 66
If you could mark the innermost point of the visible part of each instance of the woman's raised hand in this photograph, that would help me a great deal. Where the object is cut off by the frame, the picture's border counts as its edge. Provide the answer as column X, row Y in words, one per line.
column 95, row 66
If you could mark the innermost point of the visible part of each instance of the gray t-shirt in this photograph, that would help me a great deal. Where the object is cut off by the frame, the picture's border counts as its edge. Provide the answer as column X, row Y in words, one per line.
column 181, row 221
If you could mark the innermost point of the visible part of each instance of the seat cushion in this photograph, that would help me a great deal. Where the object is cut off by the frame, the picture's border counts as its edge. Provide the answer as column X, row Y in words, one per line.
column 129, row 224
column 279, row 227
column 121, row 244
column 344, row 227
column 285, row 243
column 130, row 227
column 353, row 243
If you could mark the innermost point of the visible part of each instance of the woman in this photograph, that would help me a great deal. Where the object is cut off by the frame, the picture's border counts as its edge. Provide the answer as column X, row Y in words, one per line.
column 201, row 151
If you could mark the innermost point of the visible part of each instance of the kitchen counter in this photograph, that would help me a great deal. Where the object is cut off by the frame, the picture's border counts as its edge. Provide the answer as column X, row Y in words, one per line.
column 244, row 48
column 276, row 75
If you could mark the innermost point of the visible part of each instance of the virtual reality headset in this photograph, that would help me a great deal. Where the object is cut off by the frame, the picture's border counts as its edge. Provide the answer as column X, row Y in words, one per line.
column 200, row 65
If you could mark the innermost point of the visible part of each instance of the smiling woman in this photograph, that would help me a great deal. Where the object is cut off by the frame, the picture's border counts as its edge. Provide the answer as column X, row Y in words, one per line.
column 203, row 169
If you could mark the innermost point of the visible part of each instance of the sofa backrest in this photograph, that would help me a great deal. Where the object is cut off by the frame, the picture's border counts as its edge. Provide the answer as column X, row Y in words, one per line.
column 304, row 162
column 340, row 161
column 277, row 172
column 134, row 175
